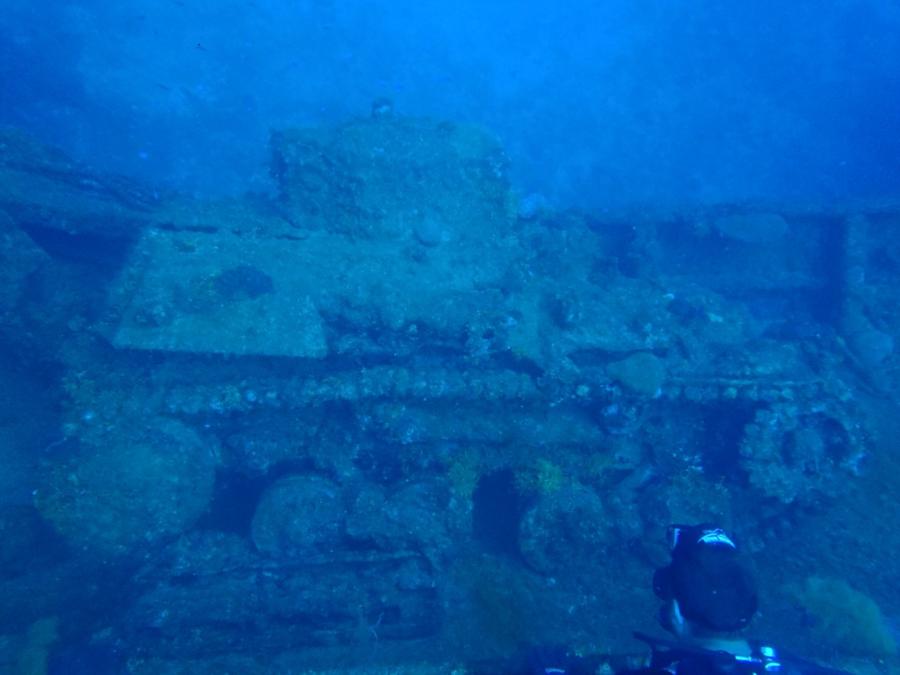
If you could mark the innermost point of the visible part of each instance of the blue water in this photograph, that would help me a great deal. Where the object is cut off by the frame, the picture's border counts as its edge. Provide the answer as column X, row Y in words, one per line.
column 389, row 337
column 598, row 104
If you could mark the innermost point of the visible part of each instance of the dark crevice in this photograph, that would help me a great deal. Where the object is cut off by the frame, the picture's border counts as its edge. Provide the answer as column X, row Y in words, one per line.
column 93, row 249
column 200, row 229
column 506, row 360
column 234, row 502
column 497, row 509
column 724, row 424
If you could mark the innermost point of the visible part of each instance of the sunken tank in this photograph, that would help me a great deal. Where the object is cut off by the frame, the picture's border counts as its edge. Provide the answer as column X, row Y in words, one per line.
column 382, row 403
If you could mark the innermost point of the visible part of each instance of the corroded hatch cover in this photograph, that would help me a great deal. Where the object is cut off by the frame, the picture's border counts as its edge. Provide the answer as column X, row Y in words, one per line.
column 257, row 294
column 218, row 293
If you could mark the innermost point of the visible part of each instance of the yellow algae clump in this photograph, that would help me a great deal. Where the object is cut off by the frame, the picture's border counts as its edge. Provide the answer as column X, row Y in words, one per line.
column 542, row 478
column 847, row 618
column 464, row 472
